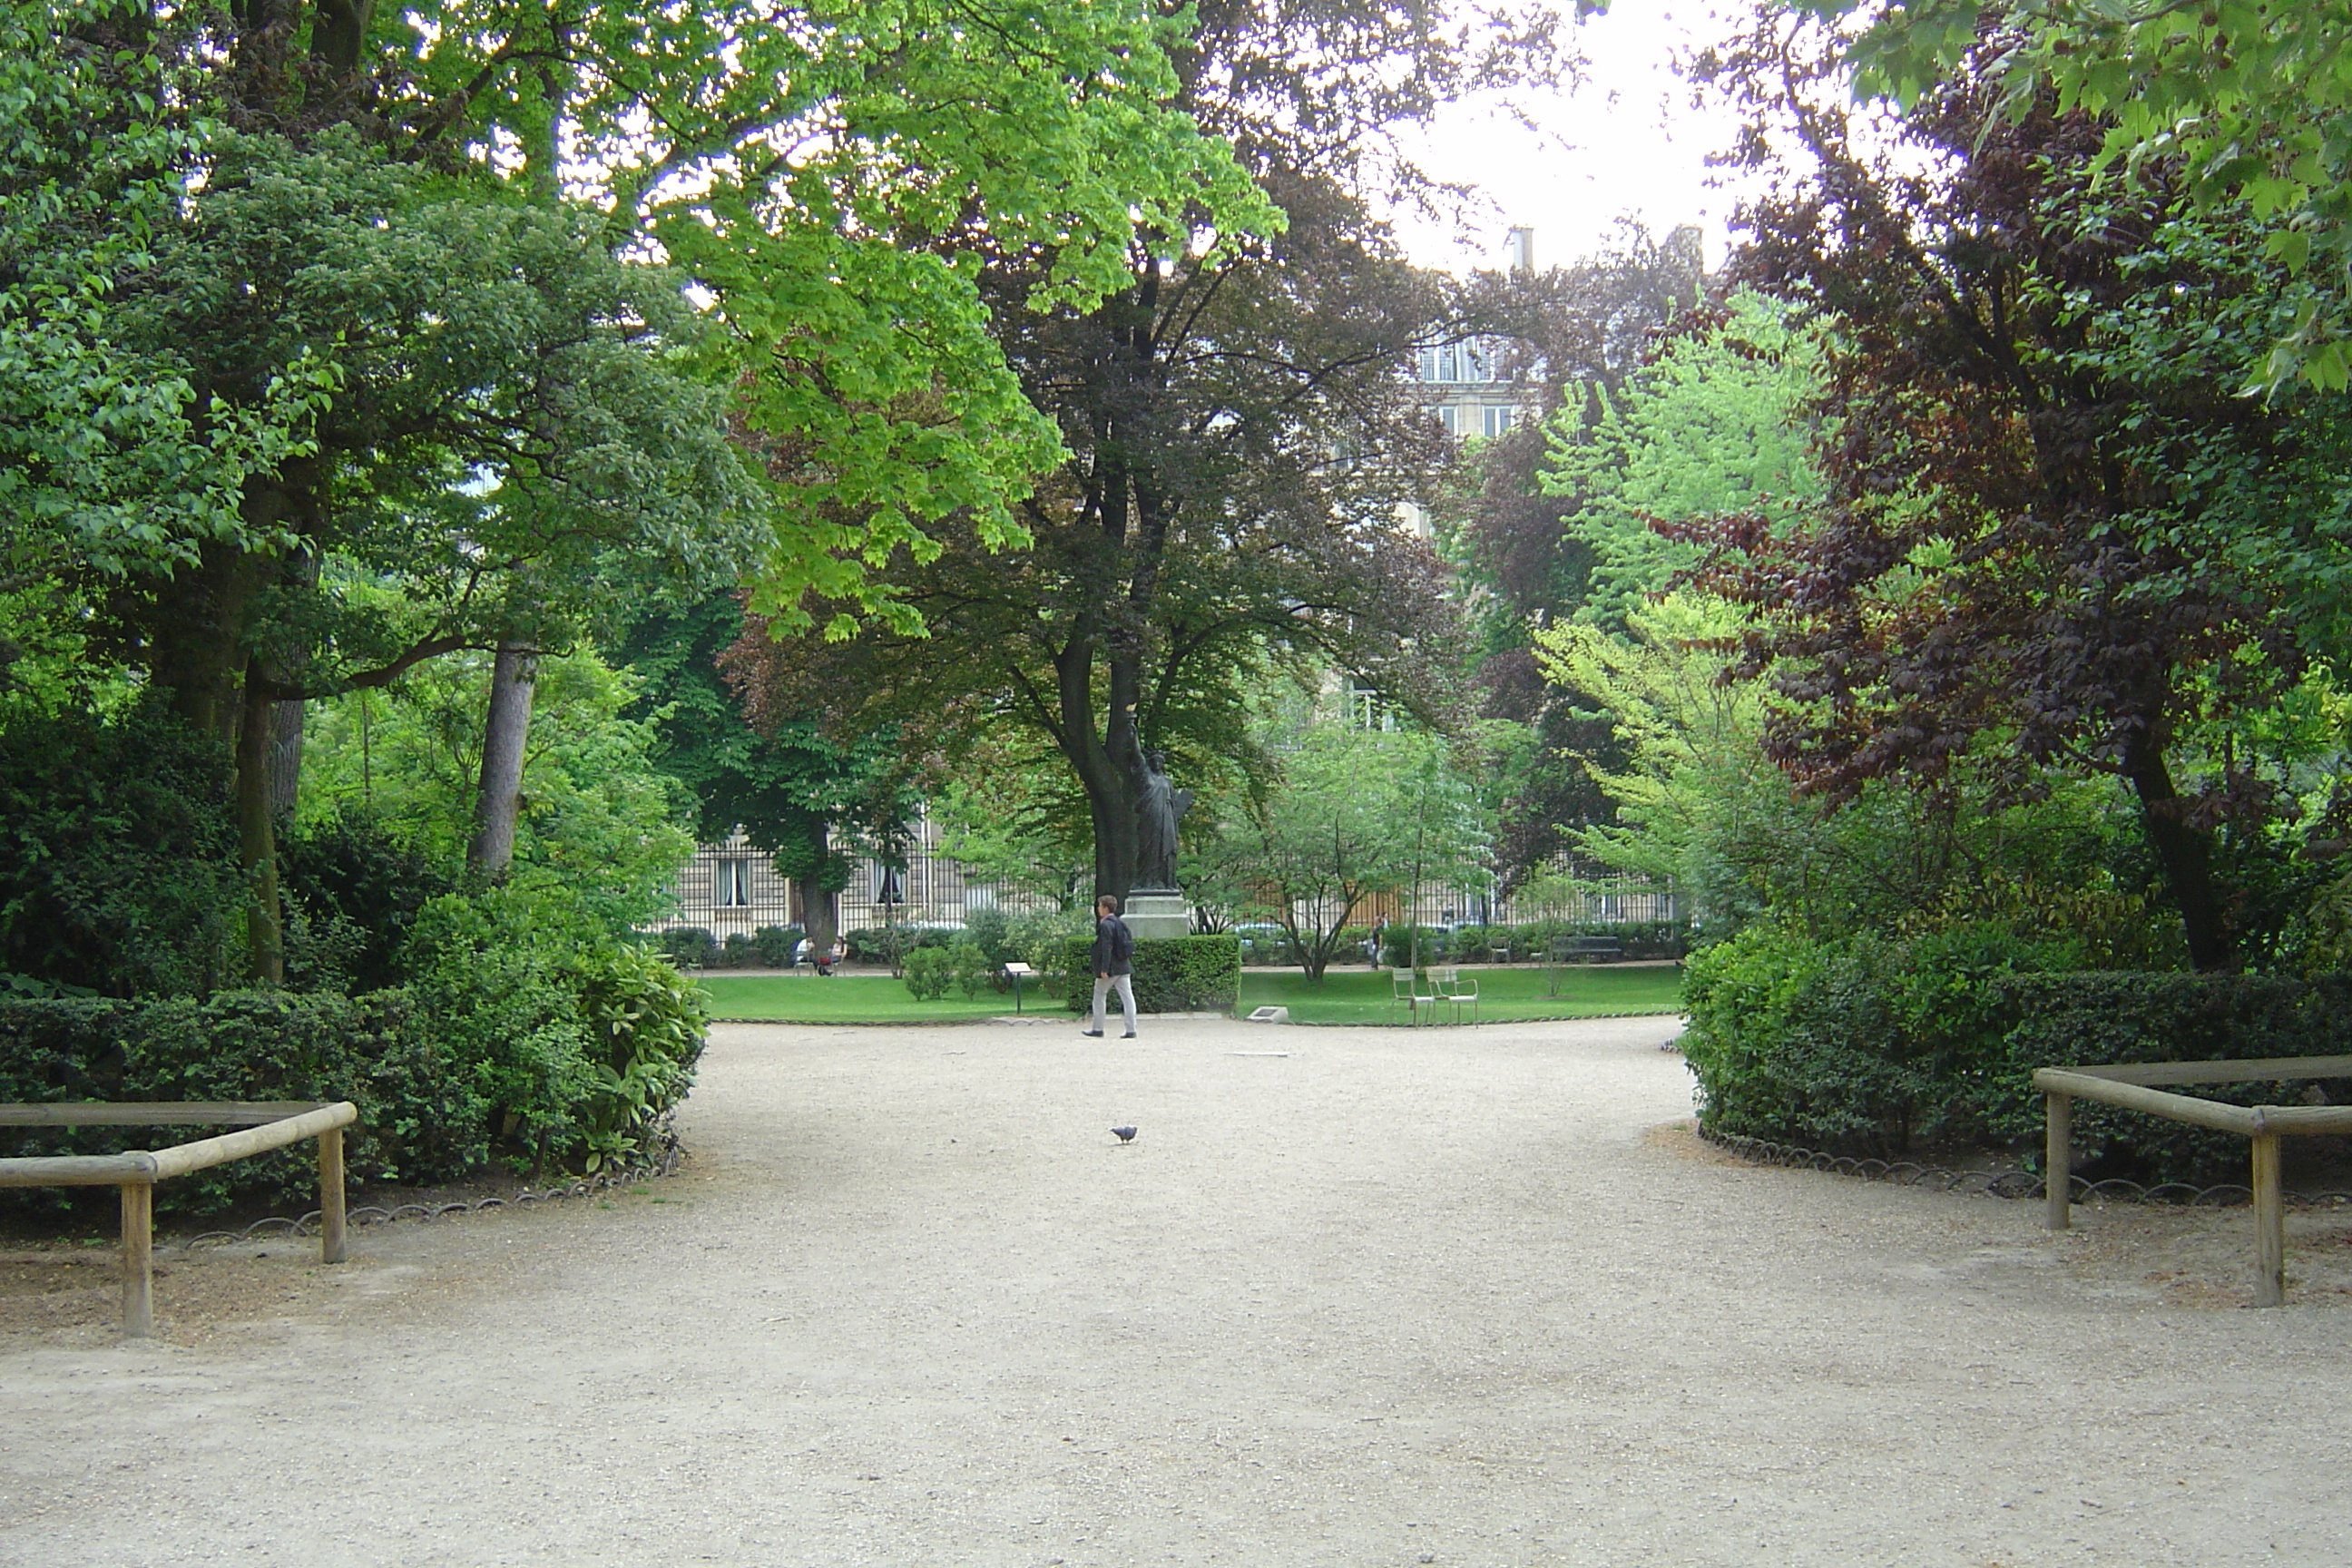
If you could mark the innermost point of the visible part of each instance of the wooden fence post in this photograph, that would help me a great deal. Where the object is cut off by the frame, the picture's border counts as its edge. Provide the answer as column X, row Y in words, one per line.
column 2058, row 1177
column 331, row 1196
column 2270, row 1224
column 138, row 1259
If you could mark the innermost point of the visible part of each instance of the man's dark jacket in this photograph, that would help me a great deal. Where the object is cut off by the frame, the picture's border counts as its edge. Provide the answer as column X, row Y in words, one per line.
column 1114, row 947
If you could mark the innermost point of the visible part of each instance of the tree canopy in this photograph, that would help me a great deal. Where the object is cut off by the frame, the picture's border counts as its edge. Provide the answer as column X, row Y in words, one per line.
column 352, row 336
column 1239, row 440
column 2228, row 101
column 2040, row 538
column 1352, row 813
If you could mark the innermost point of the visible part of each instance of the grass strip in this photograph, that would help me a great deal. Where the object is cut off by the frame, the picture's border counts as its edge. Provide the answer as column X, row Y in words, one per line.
column 1509, row 994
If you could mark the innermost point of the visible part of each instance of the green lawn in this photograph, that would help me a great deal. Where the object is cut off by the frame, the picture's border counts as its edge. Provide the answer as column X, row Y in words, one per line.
column 1518, row 991
column 1345, row 996
column 850, row 999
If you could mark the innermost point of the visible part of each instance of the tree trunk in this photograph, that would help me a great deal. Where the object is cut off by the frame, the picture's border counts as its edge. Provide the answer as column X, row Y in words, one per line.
column 822, row 905
column 504, row 735
column 197, row 631
column 1102, row 764
column 2185, row 852
column 285, row 757
column 256, row 834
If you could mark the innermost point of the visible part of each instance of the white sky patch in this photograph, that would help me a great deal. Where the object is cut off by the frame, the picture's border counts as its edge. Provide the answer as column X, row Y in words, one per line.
column 1627, row 142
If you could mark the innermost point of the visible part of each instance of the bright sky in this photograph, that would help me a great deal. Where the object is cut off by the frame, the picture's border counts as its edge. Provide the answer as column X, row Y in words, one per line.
column 1627, row 142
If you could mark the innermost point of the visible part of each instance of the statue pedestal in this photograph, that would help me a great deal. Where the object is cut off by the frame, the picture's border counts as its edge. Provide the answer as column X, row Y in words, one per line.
column 1156, row 916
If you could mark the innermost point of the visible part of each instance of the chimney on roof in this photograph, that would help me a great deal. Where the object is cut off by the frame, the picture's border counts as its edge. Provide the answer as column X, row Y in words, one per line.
column 1686, row 243
column 1520, row 246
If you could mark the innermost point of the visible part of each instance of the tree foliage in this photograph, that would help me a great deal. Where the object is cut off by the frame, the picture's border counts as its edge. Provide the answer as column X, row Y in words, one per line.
column 2038, row 457
column 1239, row 439
column 801, row 796
column 599, row 821
column 1718, row 420
column 1574, row 335
column 336, row 345
column 1699, row 803
column 1354, row 814
column 2230, row 101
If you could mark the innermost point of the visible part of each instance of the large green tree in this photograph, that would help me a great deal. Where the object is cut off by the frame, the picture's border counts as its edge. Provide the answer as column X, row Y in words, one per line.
column 379, row 283
column 1239, row 438
column 2051, row 532
column 802, row 797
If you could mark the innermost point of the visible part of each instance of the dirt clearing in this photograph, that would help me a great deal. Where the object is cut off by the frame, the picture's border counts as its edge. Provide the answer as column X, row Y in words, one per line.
column 1397, row 1297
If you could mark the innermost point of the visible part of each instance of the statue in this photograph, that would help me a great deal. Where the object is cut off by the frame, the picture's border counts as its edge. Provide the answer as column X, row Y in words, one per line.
column 1159, row 806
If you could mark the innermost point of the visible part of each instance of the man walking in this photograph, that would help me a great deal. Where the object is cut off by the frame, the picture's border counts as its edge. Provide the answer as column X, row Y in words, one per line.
column 1114, row 964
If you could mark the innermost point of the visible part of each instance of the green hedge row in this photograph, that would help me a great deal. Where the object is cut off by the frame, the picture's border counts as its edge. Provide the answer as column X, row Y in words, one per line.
column 1173, row 974
column 572, row 1070
column 769, row 947
column 1882, row 1046
column 420, row 1121
column 1532, row 940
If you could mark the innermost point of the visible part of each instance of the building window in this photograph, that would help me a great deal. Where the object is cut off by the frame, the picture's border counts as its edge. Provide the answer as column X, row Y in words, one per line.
column 731, row 884
column 1498, row 421
column 1471, row 361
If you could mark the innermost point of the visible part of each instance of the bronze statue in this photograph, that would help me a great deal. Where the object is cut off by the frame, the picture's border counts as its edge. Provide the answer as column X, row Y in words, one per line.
column 1159, row 806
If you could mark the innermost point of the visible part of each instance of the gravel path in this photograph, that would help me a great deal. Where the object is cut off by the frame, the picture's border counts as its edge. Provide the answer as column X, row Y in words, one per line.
column 1456, row 1297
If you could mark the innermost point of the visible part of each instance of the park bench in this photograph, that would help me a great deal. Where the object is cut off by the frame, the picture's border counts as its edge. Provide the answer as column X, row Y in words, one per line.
column 266, row 1125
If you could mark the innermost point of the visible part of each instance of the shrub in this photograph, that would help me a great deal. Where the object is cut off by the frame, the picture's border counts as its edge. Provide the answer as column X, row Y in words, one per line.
column 1042, row 940
column 495, row 977
column 1397, row 946
column 1874, row 1045
column 737, row 951
column 571, row 1054
column 353, row 890
column 1532, row 940
column 689, row 947
column 118, row 855
column 647, row 1023
column 1175, row 975
column 890, row 945
column 775, row 945
column 991, row 930
column 969, row 966
column 420, row 1118
column 2122, row 1015
column 928, row 972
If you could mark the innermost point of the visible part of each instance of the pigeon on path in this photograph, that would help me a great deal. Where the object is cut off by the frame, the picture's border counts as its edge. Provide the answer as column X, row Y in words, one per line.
column 1124, row 1134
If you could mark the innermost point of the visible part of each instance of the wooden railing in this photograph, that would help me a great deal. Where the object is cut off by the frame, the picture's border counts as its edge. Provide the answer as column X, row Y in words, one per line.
column 267, row 1125
column 2130, row 1085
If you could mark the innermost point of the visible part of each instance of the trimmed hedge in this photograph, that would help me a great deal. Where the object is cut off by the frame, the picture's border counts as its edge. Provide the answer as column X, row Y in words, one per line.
column 769, row 947
column 1878, row 1045
column 572, row 1065
column 1172, row 974
column 420, row 1121
column 1531, row 940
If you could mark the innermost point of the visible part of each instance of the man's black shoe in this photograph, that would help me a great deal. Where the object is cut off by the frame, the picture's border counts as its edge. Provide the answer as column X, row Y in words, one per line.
column 1091, row 1034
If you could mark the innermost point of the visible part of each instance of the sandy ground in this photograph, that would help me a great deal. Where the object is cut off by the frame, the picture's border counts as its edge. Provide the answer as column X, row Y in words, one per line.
column 1457, row 1297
